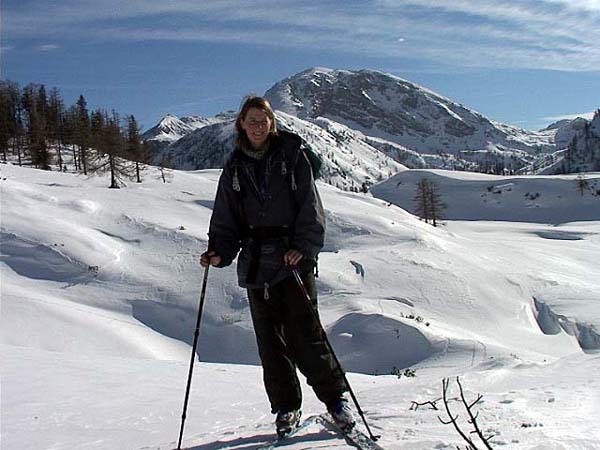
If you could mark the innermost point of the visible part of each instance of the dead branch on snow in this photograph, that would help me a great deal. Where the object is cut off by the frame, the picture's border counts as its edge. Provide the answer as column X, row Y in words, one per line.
column 453, row 419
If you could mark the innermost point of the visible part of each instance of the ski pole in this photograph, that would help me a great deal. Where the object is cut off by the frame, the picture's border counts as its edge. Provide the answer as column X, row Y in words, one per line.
column 196, row 334
column 337, row 361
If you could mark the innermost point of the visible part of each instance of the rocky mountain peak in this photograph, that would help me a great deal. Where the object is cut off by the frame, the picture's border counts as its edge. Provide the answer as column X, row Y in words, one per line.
column 386, row 106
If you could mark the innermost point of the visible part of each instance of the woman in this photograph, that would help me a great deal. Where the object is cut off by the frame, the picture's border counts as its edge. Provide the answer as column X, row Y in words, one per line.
column 268, row 206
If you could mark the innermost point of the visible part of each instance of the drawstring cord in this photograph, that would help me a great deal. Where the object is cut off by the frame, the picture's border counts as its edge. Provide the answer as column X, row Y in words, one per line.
column 294, row 187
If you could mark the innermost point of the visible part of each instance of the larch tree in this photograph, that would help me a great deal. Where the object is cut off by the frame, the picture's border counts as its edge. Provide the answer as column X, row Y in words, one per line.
column 55, row 118
column 81, row 132
column 428, row 202
column 582, row 183
column 34, row 100
column 109, row 154
column 135, row 149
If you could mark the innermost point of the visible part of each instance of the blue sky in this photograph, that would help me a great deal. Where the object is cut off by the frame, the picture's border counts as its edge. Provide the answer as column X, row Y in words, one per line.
column 524, row 62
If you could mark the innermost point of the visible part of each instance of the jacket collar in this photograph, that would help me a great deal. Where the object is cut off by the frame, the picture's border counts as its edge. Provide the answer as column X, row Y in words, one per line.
column 283, row 141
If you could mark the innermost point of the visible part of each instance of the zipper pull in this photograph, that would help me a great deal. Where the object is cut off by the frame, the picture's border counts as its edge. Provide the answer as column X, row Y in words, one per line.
column 266, row 293
column 236, row 180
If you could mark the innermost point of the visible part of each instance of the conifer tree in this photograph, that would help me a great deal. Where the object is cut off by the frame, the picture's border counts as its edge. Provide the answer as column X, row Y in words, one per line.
column 109, row 154
column 6, row 119
column 582, row 183
column 34, row 100
column 40, row 136
column 55, row 120
column 436, row 203
column 69, row 134
column 135, row 149
column 428, row 202
column 35, row 125
column 82, row 132
column 18, row 130
column 164, row 169
column 41, row 101
column 98, row 121
column 421, row 200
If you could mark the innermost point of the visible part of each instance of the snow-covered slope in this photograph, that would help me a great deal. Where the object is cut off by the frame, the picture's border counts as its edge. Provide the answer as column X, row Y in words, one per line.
column 100, row 289
column 205, row 148
column 348, row 159
column 468, row 196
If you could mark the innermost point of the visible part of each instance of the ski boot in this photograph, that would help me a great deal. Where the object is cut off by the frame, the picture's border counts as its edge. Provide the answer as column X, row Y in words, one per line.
column 286, row 421
column 342, row 415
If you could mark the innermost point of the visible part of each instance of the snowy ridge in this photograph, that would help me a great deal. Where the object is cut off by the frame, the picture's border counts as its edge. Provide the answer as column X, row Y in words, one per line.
column 100, row 288
column 171, row 128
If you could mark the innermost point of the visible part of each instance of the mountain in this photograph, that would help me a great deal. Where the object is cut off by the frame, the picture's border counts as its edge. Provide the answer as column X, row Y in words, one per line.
column 583, row 151
column 204, row 148
column 349, row 161
column 567, row 131
column 171, row 128
column 391, row 122
column 385, row 106
column 578, row 144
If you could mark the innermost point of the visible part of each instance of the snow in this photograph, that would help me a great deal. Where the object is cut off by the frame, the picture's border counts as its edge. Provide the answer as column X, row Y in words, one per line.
column 449, row 111
column 552, row 199
column 100, row 289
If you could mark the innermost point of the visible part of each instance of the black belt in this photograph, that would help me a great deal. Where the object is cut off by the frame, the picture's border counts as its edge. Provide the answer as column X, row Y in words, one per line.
column 274, row 232
column 258, row 235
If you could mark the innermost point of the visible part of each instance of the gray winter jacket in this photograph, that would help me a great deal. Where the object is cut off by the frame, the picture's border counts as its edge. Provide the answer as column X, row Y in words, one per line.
column 265, row 208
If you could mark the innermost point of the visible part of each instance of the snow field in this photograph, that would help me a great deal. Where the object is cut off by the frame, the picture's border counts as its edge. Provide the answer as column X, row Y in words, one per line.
column 100, row 289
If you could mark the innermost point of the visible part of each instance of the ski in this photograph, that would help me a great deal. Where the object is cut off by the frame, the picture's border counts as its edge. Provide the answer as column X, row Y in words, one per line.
column 282, row 441
column 353, row 437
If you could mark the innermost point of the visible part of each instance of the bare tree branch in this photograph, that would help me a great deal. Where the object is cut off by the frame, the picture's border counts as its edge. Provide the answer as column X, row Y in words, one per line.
column 415, row 405
column 453, row 419
column 473, row 420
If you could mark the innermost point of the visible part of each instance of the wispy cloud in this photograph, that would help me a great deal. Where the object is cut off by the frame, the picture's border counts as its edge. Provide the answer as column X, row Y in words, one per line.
column 541, row 34
column 48, row 47
column 586, row 5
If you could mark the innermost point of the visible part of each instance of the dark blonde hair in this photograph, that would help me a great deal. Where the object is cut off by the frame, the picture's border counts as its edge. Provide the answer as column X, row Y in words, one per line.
column 253, row 101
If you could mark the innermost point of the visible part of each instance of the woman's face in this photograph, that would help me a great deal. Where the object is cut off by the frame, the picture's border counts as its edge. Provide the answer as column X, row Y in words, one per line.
column 256, row 124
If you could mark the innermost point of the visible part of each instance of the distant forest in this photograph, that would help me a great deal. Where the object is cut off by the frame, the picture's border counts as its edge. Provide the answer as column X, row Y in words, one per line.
column 37, row 129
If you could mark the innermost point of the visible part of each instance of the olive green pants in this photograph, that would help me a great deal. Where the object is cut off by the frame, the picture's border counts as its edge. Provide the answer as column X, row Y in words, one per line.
column 289, row 335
